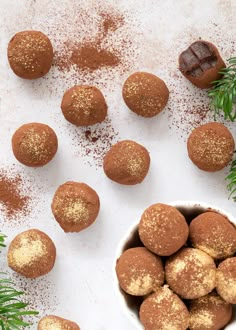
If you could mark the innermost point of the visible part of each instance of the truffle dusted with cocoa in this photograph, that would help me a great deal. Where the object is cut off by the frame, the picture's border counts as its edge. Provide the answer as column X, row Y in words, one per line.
column 191, row 273
column 34, row 144
column 210, row 312
column 164, row 310
column 211, row 147
column 30, row 54
column 139, row 271
column 200, row 63
column 84, row 105
column 226, row 280
column 75, row 206
column 214, row 234
column 145, row 94
column 127, row 162
column 52, row 322
column 31, row 254
column 163, row 229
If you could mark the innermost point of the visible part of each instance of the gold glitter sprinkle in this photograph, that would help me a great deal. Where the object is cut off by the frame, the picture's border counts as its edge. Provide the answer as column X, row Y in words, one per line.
column 29, row 250
column 202, row 319
column 71, row 209
column 35, row 144
column 226, row 286
column 26, row 50
column 51, row 324
column 140, row 285
column 195, row 270
column 83, row 100
column 172, row 313
column 56, row 323
column 210, row 146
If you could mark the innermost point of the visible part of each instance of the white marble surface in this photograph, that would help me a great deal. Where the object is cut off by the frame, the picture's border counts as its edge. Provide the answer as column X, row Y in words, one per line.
column 81, row 281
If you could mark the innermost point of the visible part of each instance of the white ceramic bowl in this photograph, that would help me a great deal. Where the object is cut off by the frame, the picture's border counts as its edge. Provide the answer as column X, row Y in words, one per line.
column 189, row 209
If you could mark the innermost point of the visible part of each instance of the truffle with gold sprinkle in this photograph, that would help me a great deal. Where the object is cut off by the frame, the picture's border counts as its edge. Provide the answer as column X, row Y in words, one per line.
column 34, row 144
column 30, row 54
column 52, row 322
column 75, row 206
column 127, row 162
column 31, row 253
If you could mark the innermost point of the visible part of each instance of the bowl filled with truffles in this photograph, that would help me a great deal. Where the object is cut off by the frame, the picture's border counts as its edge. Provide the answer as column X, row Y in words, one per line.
column 175, row 268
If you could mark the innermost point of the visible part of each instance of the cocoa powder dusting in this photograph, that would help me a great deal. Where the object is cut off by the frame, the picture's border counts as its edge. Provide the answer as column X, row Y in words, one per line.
column 40, row 294
column 13, row 201
column 93, row 42
column 92, row 55
column 93, row 143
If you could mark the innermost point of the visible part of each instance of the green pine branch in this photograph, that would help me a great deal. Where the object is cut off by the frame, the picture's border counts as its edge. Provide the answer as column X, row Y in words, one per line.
column 231, row 178
column 223, row 92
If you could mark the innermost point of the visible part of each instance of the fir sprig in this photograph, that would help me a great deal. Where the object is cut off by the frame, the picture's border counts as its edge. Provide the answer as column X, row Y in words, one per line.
column 2, row 240
column 231, row 178
column 223, row 92
column 12, row 309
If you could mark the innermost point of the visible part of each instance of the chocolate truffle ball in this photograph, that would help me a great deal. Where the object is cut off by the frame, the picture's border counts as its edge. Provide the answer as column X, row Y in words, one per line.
column 31, row 254
column 30, row 54
column 226, row 280
column 211, row 147
column 52, row 322
column 209, row 313
column 163, row 229
column 84, row 106
column 34, row 144
column 200, row 63
column 127, row 162
column 191, row 273
column 139, row 271
column 145, row 94
column 164, row 310
column 213, row 234
column 75, row 206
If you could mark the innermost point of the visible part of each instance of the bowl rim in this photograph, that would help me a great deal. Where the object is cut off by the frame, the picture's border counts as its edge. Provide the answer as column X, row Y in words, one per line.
column 128, row 234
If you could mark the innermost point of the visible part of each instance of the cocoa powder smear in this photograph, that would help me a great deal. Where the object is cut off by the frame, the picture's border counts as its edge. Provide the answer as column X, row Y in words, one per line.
column 92, row 54
column 13, row 201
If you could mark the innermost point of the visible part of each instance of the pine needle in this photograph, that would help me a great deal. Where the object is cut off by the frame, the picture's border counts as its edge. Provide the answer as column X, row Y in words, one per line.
column 231, row 178
column 2, row 240
column 223, row 92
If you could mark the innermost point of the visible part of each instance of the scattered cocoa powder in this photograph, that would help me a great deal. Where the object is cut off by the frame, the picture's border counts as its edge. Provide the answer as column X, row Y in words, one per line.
column 40, row 294
column 93, row 143
column 92, row 55
column 13, row 200
column 187, row 109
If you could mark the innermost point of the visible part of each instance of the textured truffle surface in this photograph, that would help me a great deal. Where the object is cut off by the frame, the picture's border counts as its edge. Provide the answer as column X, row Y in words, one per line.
column 34, row 144
column 52, row 322
column 75, row 206
column 191, row 273
column 163, row 229
column 226, row 280
column 164, row 310
column 210, row 312
column 145, row 94
column 31, row 254
column 211, row 147
column 213, row 234
column 30, row 54
column 127, row 162
column 139, row 271
column 84, row 105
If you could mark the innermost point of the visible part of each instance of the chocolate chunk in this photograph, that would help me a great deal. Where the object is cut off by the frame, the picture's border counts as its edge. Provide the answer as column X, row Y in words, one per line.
column 200, row 63
column 198, row 58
